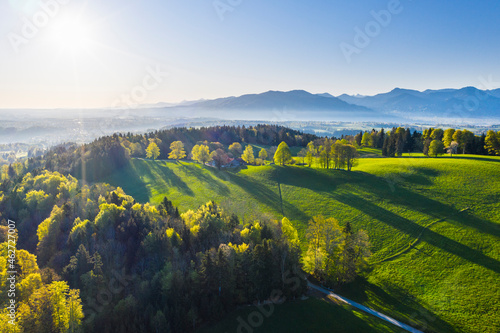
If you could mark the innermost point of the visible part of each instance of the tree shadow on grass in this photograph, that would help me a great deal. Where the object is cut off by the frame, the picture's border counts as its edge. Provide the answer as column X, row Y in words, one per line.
column 404, row 197
column 413, row 229
column 459, row 157
column 402, row 306
column 128, row 179
column 260, row 192
column 166, row 175
column 206, row 178
column 313, row 179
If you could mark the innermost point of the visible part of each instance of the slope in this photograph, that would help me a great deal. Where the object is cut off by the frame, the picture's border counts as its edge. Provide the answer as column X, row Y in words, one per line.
column 447, row 280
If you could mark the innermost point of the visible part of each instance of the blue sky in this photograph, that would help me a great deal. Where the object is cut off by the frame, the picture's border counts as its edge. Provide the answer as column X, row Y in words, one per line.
column 98, row 53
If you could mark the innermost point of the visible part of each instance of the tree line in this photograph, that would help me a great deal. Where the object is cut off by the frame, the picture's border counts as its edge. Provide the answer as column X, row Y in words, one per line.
column 432, row 141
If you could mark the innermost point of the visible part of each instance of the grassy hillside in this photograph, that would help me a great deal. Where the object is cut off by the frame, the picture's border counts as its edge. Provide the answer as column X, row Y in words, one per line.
column 312, row 315
column 447, row 209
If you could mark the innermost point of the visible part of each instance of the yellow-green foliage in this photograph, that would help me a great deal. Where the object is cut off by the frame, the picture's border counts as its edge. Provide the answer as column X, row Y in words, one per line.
column 290, row 232
column 239, row 248
column 173, row 236
column 195, row 230
column 204, row 214
column 80, row 229
column 28, row 285
column 252, row 233
column 50, row 223
column 107, row 215
column 39, row 191
column 52, row 182
column 38, row 200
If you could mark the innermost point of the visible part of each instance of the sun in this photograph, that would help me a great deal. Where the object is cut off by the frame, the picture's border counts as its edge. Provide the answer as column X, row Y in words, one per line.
column 71, row 34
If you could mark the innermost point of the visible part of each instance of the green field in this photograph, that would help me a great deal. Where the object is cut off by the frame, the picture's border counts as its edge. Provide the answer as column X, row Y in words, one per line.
column 447, row 209
column 311, row 315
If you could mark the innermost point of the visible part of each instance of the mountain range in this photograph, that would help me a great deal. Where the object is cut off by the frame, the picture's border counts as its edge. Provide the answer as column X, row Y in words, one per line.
column 468, row 102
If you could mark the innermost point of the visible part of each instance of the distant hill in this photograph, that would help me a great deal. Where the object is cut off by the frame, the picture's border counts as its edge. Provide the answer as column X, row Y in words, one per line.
column 296, row 100
column 398, row 104
column 468, row 102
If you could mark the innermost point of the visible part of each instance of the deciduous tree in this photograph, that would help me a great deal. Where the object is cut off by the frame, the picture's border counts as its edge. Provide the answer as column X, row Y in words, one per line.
column 492, row 142
column 283, row 154
column 436, row 148
column 235, row 149
column 263, row 154
column 201, row 153
column 152, row 151
column 248, row 155
column 177, row 151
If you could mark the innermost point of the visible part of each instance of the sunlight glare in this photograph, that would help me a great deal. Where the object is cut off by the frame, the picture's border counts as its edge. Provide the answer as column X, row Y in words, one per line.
column 71, row 34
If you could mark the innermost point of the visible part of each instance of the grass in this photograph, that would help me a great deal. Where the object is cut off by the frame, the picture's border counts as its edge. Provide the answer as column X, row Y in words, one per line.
column 367, row 152
column 446, row 281
column 311, row 315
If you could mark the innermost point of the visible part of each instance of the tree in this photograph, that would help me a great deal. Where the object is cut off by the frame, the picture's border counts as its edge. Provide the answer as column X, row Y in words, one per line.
column 448, row 136
column 248, row 155
column 263, row 154
column 427, row 144
column 236, row 149
column 338, row 155
column 453, row 148
column 436, row 148
column 325, row 153
column 302, row 154
column 201, row 153
column 437, row 134
column 11, row 172
column 492, row 142
column 358, row 137
column 367, row 140
column 219, row 157
column 464, row 138
column 380, row 138
column 152, row 151
column 74, row 307
column 408, row 141
column 177, row 151
column 468, row 140
column 283, row 154
column 310, row 158
column 351, row 156
column 335, row 255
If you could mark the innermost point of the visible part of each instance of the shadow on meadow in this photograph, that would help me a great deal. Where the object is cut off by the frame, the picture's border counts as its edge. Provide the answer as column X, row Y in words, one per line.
column 432, row 208
column 128, row 178
column 260, row 192
column 160, row 171
column 316, row 314
column 458, row 156
column 403, row 306
column 331, row 186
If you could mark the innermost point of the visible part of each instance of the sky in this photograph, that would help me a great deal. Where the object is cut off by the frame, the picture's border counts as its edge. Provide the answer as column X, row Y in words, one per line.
column 92, row 54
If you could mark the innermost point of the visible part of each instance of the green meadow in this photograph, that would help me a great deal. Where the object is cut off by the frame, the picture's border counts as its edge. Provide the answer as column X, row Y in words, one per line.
column 311, row 315
column 433, row 225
